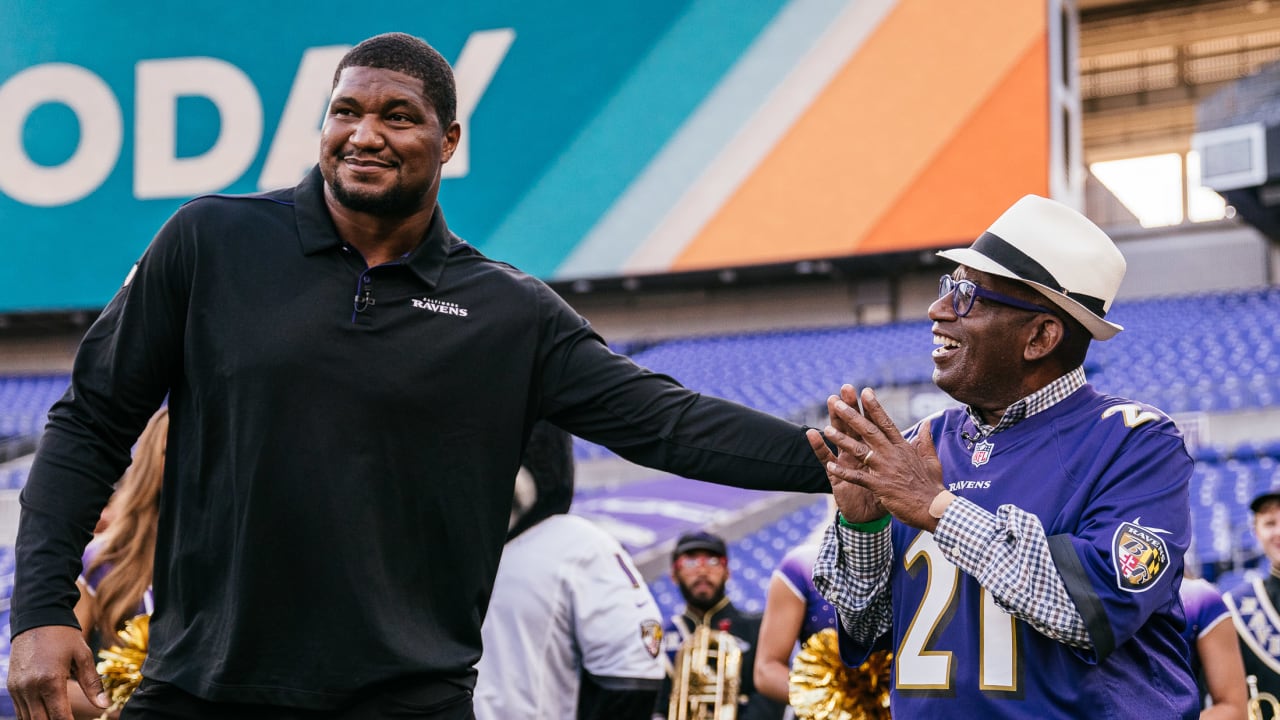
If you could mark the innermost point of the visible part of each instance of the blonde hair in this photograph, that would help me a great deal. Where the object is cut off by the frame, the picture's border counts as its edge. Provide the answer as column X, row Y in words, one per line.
column 128, row 545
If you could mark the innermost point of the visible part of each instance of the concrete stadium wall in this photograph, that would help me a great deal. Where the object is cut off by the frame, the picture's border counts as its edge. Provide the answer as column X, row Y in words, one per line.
column 1198, row 258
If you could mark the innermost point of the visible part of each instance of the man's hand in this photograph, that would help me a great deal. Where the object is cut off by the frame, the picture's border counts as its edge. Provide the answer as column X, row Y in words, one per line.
column 904, row 477
column 41, row 661
column 856, row 503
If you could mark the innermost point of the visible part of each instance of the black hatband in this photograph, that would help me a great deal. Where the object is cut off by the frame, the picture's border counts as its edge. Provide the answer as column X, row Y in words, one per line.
column 1026, row 268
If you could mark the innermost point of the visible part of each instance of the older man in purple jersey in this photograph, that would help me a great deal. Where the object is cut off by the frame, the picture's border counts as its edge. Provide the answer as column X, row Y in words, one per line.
column 1021, row 553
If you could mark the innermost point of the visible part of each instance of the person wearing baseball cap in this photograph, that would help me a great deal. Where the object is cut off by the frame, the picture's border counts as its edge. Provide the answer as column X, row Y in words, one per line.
column 1254, row 601
column 700, row 568
column 690, row 542
column 1021, row 552
column 1264, row 498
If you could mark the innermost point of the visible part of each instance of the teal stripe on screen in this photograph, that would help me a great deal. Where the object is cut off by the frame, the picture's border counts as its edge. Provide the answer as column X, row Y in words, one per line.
column 667, row 85
column 672, row 173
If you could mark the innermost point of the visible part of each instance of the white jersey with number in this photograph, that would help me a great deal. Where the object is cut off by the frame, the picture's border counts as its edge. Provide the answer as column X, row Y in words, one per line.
column 567, row 598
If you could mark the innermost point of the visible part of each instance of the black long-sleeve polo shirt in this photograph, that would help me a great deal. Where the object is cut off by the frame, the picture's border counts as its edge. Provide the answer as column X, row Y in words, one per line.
column 343, row 446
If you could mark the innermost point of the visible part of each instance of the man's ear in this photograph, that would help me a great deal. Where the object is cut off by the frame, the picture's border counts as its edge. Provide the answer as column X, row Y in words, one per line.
column 450, row 142
column 1047, row 334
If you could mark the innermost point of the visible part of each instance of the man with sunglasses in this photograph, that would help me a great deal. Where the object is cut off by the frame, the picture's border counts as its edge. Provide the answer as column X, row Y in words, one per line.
column 1021, row 553
column 700, row 568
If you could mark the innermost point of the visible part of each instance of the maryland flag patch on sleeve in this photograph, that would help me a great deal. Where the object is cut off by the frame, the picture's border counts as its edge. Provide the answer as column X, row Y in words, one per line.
column 651, row 636
column 1139, row 555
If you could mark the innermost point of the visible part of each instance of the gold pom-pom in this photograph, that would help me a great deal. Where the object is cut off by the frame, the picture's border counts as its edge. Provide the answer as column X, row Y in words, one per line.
column 121, row 665
column 822, row 688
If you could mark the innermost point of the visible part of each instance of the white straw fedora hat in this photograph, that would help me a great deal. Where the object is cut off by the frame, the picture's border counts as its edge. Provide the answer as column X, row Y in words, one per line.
column 1057, row 251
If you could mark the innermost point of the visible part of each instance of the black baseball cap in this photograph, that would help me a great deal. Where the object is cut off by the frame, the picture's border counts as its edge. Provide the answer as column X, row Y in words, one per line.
column 1272, row 494
column 693, row 541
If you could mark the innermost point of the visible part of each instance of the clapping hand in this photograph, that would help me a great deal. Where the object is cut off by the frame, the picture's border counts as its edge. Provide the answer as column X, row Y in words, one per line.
column 895, row 475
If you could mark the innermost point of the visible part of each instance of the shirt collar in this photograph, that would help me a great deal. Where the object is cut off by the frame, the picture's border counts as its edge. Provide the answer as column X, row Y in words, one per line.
column 316, row 231
column 1038, row 401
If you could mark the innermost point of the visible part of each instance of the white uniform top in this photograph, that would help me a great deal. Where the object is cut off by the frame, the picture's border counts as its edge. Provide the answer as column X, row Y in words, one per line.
column 567, row 598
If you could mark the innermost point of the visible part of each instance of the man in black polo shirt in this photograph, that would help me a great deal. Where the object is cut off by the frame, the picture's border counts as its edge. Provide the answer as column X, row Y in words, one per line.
column 351, row 386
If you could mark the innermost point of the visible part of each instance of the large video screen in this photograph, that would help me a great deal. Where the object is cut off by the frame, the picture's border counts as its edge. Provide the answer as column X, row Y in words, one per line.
column 599, row 139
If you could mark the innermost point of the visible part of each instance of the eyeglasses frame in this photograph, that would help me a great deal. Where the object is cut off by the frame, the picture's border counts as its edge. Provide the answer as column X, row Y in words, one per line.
column 948, row 285
column 685, row 562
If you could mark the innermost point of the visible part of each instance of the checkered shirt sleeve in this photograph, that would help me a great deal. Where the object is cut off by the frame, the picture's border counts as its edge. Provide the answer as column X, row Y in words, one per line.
column 852, row 573
column 1008, row 553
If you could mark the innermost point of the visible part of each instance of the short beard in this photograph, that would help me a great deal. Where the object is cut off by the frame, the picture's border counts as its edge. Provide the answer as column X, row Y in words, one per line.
column 399, row 201
column 699, row 604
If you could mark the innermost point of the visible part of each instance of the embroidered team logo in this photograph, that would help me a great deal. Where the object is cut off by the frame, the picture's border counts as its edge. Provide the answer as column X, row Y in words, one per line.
column 651, row 636
column 982, row 453
column 440, row 307
column 1139, row 555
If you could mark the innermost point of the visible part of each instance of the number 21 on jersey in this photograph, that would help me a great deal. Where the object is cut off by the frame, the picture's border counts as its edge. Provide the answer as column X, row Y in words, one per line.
column 922, row 666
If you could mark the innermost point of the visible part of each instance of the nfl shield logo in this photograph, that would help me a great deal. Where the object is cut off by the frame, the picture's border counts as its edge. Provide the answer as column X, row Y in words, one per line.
column 982, row 453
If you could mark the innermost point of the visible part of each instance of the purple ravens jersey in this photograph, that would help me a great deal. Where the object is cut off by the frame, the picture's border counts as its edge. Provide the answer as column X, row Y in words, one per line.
column 796, row 570
column 1108, row 479
column 1203, row 605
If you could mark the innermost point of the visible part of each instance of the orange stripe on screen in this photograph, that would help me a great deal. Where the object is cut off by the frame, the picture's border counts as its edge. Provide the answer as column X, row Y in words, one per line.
column 928, row 73
column 998, row 155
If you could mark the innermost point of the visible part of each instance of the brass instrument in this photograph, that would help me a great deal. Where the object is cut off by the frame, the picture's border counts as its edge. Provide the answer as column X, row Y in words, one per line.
column 822, row 688
column 1257, row 701
column 708, row 674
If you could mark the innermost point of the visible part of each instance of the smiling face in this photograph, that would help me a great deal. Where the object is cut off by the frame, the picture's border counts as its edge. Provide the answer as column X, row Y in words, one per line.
column 1266, row 525
column 382, row 145
column 979, row 358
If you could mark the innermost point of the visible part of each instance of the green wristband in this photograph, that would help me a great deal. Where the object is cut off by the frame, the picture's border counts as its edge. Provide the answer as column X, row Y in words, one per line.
column 873, row 526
